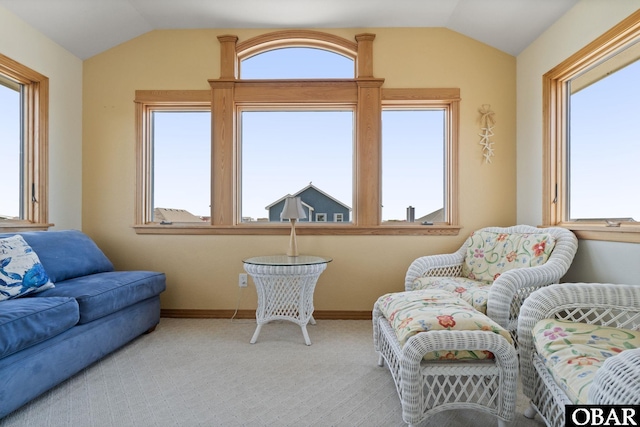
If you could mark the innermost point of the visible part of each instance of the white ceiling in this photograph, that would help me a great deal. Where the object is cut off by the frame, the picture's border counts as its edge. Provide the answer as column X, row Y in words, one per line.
column 88, row 27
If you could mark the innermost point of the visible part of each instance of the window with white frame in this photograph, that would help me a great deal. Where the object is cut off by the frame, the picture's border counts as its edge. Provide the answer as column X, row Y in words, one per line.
column 321, row 217
column 23, row 143
column 338, row 217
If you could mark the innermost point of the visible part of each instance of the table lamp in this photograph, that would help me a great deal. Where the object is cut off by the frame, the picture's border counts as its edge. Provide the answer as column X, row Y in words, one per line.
column 293, row 211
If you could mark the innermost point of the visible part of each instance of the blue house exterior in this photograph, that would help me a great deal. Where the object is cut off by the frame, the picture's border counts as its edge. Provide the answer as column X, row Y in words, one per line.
column 318, row 206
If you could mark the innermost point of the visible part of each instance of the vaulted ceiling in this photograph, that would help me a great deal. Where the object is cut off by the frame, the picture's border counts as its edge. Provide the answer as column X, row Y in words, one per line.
column 88, row 27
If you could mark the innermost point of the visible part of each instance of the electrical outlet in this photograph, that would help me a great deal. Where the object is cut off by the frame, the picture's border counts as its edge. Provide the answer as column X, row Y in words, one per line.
column 242, row 280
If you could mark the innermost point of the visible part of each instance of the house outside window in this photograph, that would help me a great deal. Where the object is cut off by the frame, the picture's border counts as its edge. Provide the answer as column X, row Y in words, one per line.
column 312, row 198
column 24, row 103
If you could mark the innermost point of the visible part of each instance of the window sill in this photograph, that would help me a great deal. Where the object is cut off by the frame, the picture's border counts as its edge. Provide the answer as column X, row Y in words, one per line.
column 15, row 226
column 626, row 232
column 301, row 230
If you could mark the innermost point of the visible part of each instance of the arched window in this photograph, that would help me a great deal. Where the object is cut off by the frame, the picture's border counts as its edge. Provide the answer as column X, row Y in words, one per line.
column 297, row 63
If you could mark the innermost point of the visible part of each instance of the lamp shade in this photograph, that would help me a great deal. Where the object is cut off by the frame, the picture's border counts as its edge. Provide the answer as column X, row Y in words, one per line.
column 293, row 208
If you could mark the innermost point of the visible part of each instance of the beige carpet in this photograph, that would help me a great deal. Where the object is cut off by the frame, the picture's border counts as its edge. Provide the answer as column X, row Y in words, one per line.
column 204, row 372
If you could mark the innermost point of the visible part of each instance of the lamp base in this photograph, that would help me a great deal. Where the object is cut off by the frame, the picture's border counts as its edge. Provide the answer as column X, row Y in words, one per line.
column 293, row 244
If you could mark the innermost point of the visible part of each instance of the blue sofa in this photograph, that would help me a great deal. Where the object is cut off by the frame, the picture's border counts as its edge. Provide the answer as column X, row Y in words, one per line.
column 91, row 311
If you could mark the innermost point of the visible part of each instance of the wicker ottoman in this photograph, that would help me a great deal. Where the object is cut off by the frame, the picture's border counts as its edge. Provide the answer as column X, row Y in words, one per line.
column 427, row 377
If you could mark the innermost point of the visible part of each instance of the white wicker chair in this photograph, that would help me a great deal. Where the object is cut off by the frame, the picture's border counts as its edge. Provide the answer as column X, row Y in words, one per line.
column 617, row 381
column 510, row 289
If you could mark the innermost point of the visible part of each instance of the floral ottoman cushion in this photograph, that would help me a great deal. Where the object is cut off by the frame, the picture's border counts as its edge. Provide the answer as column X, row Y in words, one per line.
column 573, row 352
column 417, row 311
column 474, row 292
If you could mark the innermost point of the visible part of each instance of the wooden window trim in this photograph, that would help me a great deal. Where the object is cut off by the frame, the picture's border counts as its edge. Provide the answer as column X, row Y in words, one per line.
column 554, row 98
column 449, row 100
column 35, row 195
column 147, row 101
column 229, row 93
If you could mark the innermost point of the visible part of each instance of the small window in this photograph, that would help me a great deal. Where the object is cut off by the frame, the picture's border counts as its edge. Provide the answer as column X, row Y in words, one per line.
column 321, row 217
column 181, row 164
column 338, row 217
column 413, row 162
column 297, row 63
column 173, row 149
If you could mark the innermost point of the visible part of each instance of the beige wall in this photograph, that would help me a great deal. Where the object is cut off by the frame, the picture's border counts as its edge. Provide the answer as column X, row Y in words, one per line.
column 595, row 261
column 202, row 271
column 22, row 43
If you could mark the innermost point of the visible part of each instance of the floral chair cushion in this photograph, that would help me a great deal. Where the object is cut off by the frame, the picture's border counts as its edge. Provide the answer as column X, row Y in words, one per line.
column 474, row 292
column 573, row 352
column 412, row 312
column 490, row 254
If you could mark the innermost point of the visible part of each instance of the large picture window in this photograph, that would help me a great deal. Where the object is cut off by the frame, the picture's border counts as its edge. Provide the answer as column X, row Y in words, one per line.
column 306, row 153
column 24, row 104
column 591, row 138
column 318, row 136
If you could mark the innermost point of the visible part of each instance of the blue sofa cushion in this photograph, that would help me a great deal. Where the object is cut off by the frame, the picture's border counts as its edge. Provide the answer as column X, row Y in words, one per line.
column 66, row 254
column 104, row 293
column 28, row 321
column 21, row 271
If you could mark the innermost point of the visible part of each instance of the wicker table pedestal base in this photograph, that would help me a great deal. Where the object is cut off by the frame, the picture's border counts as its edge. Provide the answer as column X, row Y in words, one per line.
column 285, row 288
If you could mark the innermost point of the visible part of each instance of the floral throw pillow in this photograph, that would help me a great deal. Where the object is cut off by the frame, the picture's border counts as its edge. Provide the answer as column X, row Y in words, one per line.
column 21, row 272
column 490, row 254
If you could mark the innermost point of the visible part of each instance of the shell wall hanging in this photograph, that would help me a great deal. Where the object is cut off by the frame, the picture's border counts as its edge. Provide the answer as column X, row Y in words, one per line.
column 487, row 122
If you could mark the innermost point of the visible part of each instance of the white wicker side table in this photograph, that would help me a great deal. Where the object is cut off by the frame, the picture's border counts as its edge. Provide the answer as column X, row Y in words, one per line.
column 285, row 288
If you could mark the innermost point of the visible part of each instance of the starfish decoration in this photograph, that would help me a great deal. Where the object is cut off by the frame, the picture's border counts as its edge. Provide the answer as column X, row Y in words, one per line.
column 486, row 134
column 487, row 121
column 488, row 152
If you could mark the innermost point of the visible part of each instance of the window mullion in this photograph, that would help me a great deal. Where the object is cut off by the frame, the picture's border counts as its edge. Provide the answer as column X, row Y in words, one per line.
column 223, row 154
column 368, row 157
